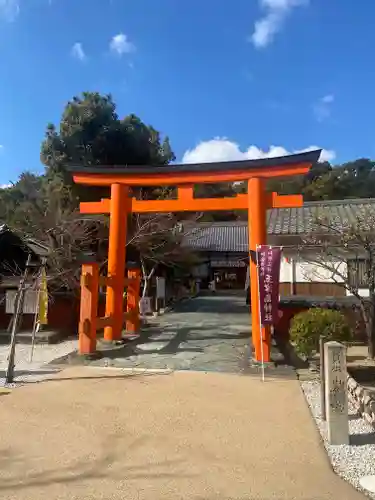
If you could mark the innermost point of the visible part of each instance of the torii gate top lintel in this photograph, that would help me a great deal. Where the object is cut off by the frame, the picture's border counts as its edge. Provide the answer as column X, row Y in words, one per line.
column 228, row 171
column 121, row 204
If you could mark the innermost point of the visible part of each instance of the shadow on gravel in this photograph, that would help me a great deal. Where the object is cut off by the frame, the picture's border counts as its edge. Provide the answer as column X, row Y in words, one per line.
column 18, row 469
column 362, row 439
column 179, row 335
column 125, row 375
column 18, row 374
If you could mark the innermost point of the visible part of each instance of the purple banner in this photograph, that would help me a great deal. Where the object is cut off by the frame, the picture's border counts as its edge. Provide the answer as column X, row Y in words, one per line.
column 268, row 264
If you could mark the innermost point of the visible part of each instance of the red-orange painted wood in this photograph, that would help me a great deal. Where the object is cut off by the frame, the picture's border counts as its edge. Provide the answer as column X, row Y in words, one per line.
column 257, row 201
column 185, row 193
column 120, row 205
column 95, row 207
column 181, row 205
column 275, row 200
column 88, row 308
column 185, row 203
column 181, row 178
column 257, row 236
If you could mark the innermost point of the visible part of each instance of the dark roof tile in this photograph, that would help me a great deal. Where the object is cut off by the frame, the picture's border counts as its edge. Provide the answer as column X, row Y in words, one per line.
column 233, row 236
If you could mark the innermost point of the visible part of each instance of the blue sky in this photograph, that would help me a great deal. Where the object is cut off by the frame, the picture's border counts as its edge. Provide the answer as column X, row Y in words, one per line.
column 224, row 80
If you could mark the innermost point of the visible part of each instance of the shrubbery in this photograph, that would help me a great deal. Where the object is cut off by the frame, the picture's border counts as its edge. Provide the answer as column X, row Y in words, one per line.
column 307, row 326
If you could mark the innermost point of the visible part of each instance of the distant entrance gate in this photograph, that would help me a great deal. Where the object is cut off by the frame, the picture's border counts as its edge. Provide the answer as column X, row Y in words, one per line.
column 257, row 201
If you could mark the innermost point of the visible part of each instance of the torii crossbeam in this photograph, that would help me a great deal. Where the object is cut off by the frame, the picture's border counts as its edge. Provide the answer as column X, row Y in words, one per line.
column 185, row 176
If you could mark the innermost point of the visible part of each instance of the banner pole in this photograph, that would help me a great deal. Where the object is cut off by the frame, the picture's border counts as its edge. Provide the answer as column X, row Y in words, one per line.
column 260, row 317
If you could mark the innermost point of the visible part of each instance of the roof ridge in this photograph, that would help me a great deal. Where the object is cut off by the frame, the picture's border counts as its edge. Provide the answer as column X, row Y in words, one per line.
column 228, row 223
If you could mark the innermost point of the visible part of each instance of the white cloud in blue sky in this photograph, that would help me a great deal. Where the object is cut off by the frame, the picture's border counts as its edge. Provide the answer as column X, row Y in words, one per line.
column 120, row 44
column 222, row 149
column 9, row 9
column 276, row 12
column 78, row 51
column 322, row 109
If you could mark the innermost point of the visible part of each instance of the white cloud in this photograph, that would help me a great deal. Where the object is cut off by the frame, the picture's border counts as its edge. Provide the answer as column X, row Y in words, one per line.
column 273, row 21
column 222, row 149
column 78, row 52
column 6, row 186
column 328, row 98
column 120, row 44
column 322, row 108
column 9, row 9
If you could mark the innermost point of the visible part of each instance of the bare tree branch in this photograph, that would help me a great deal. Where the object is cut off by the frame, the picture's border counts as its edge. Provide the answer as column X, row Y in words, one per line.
column 340, row 246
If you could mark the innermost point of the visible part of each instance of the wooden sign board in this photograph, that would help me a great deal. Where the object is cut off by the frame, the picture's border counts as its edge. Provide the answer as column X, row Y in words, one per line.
column 145, row 306
column 160, row 288
column 29, row 305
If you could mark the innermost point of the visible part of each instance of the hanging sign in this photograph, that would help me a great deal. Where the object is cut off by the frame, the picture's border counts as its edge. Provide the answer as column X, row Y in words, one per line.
column 228, row 263
column 268, row 265
column 43, row 299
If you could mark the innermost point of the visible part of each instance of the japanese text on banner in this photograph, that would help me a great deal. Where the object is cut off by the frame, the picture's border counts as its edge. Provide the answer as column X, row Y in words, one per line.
column 268, row 263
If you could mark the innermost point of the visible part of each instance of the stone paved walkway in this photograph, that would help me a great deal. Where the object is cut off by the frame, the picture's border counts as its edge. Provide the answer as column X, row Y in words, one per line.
column 209, row 333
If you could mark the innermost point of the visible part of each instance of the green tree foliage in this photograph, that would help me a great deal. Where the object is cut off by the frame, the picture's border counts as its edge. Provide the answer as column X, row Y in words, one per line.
column 220, row 190
column 307, row 326
column 45, row 207
column 355, row 179
column 91, row 133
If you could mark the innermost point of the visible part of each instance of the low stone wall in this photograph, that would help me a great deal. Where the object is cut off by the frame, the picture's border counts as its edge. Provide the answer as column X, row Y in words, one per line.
column 362, row 399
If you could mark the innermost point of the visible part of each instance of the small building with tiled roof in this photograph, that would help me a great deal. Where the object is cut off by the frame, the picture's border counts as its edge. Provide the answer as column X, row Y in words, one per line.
column 224, row 245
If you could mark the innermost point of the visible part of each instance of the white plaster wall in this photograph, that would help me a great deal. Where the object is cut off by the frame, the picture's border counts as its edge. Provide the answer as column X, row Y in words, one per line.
column 305, row 272
column 363, row 292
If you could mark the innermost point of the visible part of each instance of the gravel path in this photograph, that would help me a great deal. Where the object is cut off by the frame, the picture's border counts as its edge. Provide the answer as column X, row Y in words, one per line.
column 98, row 434
column 39, row 369
column 349, row 461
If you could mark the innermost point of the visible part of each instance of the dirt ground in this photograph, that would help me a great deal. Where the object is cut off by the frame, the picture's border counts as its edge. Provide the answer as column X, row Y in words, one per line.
column 99, row 434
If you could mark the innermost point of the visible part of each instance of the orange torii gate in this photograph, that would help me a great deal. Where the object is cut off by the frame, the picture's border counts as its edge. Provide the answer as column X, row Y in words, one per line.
column 121, row 179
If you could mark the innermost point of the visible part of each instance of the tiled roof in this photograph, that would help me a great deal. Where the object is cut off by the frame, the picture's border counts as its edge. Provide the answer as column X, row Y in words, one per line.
column 35, row 246
column 218, row 237
column 233, row 236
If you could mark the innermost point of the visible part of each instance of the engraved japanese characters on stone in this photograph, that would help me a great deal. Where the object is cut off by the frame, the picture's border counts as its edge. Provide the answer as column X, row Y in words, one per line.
column 336, row 396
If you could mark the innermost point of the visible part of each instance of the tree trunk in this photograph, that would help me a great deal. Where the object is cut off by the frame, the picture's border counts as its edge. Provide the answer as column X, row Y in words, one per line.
column 368, row 310
column 145, row 287
column 371, row 337
column 371, row 342
column 146, row 278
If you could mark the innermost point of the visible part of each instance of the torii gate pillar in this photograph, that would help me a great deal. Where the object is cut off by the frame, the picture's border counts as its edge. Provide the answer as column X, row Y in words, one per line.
column 257, row 209
column 119, row 211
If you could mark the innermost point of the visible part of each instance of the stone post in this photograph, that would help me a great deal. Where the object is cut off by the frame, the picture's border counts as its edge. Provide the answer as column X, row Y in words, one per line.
column 336, row 393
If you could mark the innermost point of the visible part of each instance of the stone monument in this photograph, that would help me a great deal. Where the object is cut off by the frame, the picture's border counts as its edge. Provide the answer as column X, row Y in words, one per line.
column 336, row 395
